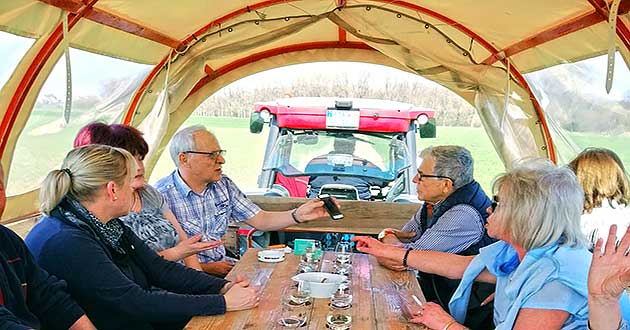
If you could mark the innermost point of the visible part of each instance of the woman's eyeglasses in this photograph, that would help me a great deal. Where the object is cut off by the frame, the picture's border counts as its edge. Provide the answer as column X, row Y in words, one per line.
column 495, row 203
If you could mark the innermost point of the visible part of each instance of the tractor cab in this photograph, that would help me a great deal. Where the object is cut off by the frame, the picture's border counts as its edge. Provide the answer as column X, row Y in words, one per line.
column 355, row 149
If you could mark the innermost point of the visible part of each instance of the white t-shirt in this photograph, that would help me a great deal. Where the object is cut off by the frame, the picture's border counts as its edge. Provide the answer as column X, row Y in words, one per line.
column 596, row 224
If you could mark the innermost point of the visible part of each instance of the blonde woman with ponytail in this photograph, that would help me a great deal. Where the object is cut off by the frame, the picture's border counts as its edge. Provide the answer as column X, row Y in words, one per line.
column 109, row 270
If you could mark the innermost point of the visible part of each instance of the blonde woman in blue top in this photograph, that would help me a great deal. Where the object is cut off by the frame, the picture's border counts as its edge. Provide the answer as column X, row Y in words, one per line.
column 540, row 264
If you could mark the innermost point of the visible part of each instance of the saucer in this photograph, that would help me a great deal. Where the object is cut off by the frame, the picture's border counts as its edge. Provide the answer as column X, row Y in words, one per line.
column 270, row 256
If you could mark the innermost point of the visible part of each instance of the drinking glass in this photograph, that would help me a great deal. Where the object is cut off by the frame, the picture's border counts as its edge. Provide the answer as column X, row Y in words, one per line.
column 341, row 299
column 293, row 316
column 339, row 319
column 343, row 252
column 295, row 306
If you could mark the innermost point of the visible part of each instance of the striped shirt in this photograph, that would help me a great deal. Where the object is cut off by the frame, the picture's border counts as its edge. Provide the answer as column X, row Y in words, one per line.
column 208, row 213
column 455, row 231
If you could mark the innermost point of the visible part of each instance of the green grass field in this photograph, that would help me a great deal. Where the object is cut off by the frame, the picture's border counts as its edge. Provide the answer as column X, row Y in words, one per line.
column 37, row 153
column 246, row 150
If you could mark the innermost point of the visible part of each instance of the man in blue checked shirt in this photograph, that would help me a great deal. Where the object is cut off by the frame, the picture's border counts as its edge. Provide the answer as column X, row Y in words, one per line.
column 205, row 201
column 452, row 219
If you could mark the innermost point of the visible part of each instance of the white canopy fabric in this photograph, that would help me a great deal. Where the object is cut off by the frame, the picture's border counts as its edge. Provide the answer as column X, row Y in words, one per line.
column 478, row 49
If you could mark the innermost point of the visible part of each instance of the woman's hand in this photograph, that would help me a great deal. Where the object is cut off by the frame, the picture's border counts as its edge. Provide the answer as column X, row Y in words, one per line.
column 192, row 246
column 608, row 277
column 313, row 209
column 240, row 295
column 239, row 279
column 433, row 316
column 610, row 272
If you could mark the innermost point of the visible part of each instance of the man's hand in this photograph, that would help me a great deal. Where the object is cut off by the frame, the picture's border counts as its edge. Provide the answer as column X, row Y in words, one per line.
column 313, row 209
column 391, row 264
column 387, row 255
column 192, row 245
column 219, row 268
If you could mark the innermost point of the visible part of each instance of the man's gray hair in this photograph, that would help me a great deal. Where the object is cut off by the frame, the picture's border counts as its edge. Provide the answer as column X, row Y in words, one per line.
column 540, row 204
column 454, row 162
column 184, row 140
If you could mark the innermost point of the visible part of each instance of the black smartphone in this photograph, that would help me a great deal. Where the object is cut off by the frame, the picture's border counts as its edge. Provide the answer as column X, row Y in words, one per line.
column 331, row 207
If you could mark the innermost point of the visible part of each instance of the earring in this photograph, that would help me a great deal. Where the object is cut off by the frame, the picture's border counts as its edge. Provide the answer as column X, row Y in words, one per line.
column 115, row 198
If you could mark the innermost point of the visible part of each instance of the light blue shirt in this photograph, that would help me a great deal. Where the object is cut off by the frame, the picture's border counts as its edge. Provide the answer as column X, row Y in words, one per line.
column 208, row 213
column 551, row 277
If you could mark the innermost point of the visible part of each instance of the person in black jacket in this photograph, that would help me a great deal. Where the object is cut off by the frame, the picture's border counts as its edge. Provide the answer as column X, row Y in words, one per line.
column 29, row 297
column 114, row 275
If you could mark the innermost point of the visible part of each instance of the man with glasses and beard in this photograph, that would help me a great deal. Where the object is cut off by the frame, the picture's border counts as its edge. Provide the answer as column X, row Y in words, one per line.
column 452, row 219
column 205, row 201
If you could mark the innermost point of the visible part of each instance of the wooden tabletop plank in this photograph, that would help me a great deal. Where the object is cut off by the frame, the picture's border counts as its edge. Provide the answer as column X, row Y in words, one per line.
column 361, row 217
column 376, row 296
column 387, row 288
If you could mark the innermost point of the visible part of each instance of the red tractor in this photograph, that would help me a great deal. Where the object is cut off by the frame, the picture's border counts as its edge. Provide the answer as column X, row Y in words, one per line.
column 360, row 149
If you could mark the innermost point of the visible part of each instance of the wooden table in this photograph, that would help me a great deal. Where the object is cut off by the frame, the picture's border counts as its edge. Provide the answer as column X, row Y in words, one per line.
column 376, row 296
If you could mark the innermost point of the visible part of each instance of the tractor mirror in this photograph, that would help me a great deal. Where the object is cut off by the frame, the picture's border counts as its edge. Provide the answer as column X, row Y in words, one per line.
column 256, row 123
column 428, row 130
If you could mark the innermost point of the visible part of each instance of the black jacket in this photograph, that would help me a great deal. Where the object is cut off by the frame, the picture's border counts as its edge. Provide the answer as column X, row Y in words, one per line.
column 29, row 297
column 118, row 291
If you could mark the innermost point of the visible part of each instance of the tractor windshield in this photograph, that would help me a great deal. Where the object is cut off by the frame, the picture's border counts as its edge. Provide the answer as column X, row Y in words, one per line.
column 315, row 153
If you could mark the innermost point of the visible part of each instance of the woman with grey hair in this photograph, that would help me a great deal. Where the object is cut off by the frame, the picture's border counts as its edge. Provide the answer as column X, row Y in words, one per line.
column 539, row 265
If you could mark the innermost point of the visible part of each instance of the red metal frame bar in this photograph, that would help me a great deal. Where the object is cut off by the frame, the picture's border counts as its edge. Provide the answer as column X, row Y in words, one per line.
column 343, row 37
column 575, row 24
column 114, row 21
column 33, row 71
column 487, row 45
column 140, row 91
column 601, row 7
column 233, row 14
column 274, row 52
column 138, row 94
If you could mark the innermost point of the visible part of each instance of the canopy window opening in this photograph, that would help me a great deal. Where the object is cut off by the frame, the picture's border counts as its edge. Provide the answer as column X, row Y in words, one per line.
column 227, row 111
column 101, row 89
column 580, row 111
column 12, row 49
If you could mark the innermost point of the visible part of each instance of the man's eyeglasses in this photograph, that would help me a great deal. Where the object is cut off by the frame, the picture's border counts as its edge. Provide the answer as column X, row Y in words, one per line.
column 422, row 175
column 212, row 155
column 495, row 203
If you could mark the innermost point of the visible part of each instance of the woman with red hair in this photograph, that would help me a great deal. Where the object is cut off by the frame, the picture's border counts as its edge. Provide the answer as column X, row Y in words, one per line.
column 149, row 217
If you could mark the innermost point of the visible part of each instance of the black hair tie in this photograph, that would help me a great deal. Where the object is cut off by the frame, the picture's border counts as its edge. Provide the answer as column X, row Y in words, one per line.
column 67, row 170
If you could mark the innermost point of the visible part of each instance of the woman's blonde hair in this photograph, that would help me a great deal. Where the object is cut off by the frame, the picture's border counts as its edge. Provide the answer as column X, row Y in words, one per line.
column 602, row 176
column 83, row 172
column 543, row 203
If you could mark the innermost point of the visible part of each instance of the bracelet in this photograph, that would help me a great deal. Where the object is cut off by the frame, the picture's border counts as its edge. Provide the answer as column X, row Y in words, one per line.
column 448, row 325
column 294, row 216
column 404, row 261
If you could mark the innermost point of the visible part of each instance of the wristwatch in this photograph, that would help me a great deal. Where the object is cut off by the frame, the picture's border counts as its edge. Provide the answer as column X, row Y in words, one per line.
column 384, row 232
